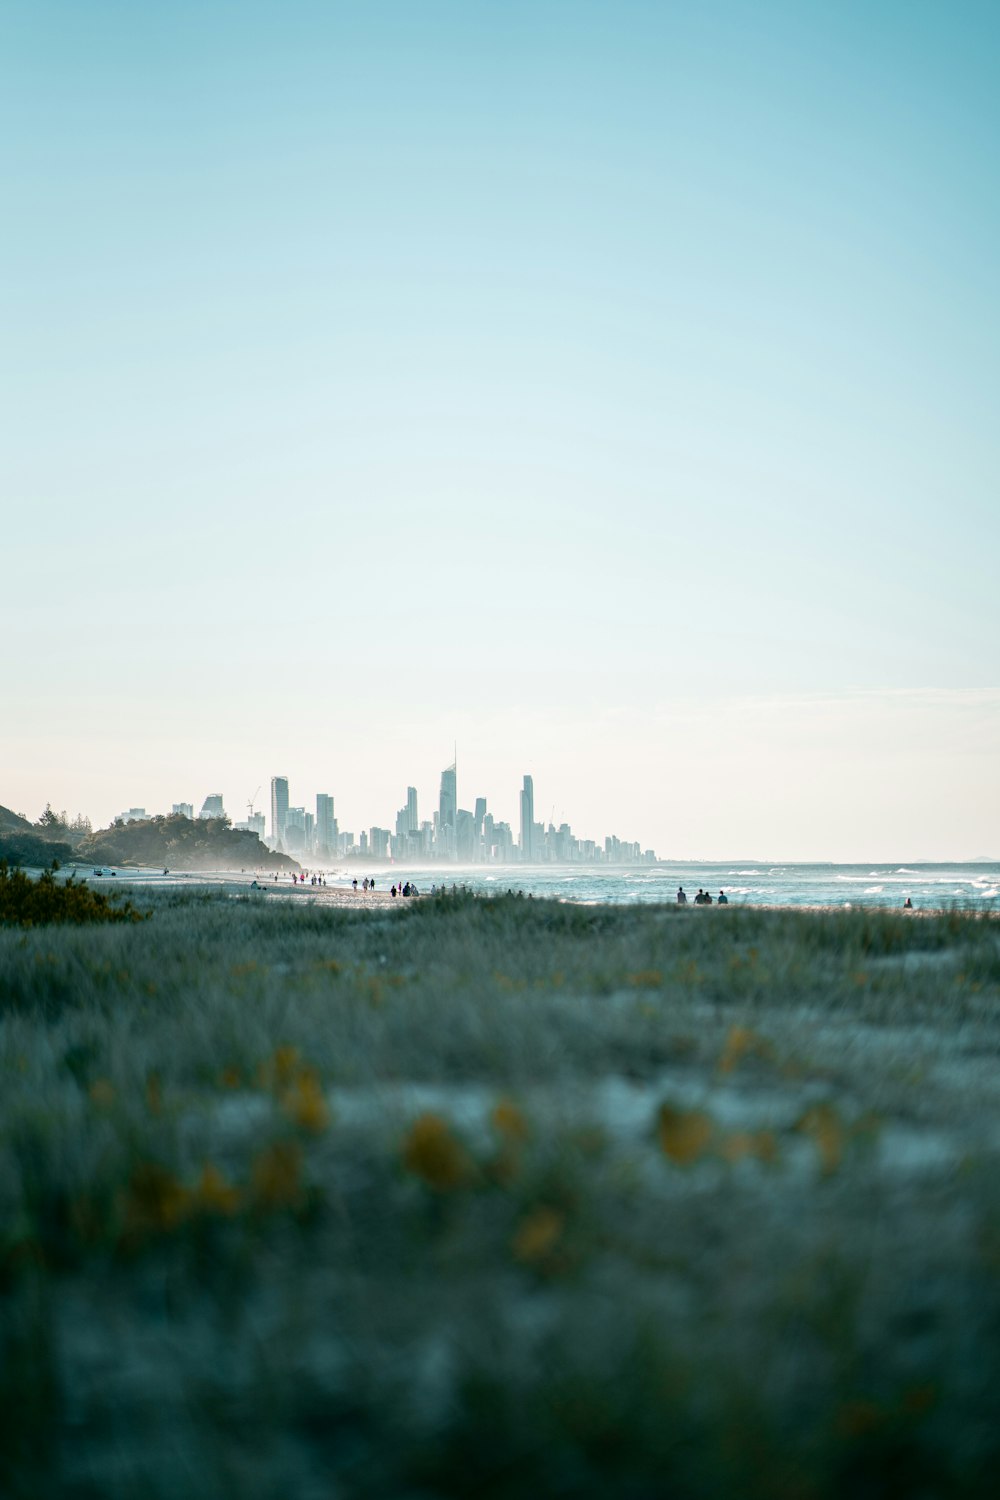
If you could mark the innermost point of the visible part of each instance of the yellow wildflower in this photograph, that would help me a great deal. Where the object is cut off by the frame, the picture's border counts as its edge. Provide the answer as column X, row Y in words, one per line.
column 537, row 1235
column 214, row 1194
column 741, row 1041
column 277, row 1174
column 684, row 1134
column 508, row 1121
column 822, row 1123
column 304, row 1102
column 431, row 1152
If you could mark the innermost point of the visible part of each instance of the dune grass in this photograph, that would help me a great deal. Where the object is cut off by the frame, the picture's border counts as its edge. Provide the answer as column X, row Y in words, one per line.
column 499, row 1197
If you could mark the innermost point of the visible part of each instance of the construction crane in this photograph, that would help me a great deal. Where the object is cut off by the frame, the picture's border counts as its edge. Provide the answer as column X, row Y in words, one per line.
column 253, row 799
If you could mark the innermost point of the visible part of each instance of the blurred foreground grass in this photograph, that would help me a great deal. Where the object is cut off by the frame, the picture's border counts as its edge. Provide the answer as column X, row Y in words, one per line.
column 499, row 1198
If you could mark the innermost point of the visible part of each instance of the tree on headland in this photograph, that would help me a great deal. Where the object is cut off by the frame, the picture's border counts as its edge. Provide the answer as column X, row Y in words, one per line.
column 53, row 822
column 33, row 844
column 181, row 843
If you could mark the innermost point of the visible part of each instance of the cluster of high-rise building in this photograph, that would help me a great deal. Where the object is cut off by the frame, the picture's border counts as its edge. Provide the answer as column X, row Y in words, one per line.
column 453, row 833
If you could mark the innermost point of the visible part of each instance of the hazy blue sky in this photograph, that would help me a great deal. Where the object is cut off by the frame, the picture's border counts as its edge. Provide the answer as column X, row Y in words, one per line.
column 613, row 387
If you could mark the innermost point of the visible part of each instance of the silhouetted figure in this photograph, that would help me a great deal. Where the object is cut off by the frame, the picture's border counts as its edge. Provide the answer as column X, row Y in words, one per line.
column 907, row 904
column 682, row 899
column 723, row 899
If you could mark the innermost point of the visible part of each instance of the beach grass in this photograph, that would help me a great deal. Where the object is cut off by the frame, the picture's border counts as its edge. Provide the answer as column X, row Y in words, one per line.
column 498, row 1197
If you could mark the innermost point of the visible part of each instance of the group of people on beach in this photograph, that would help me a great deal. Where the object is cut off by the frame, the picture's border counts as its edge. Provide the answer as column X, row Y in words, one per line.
column 703, row 898
column 409, row 889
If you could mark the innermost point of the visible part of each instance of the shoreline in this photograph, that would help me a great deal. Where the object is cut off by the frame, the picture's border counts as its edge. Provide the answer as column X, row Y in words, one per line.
column 973, row 892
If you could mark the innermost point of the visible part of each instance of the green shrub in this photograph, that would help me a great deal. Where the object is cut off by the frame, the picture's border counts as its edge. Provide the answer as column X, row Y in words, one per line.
column 32, row 849
column 33, row 903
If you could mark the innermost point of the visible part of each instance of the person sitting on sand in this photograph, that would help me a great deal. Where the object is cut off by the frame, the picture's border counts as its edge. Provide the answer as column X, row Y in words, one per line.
column 723, row 899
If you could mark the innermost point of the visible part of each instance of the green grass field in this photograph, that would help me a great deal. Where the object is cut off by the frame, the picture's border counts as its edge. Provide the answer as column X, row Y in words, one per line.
column 500, row 1198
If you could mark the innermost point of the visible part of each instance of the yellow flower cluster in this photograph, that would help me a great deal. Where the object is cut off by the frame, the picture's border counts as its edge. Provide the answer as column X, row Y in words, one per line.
column 295, row 1084
column 157, row 1202
column 432, row 1153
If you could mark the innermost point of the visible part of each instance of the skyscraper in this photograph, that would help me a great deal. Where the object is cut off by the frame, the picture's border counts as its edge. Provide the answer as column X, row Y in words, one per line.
column 527, row 819
column 326, row 825
column 279, row 809
column 212, row 806
column 448, row 804
column 412, row 821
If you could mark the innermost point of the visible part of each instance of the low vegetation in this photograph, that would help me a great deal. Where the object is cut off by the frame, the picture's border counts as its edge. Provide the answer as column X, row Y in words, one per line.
column 499, row 1198
column 32, row 850
column 46, row 902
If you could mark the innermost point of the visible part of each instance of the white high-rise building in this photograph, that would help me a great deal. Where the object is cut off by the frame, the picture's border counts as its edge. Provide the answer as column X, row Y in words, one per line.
column 326, row 825
column 279, row 809
column 448, row 804
column 528, row 819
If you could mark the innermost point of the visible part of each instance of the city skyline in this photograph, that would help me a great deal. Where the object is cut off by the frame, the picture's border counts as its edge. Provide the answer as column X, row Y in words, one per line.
column 452, row 834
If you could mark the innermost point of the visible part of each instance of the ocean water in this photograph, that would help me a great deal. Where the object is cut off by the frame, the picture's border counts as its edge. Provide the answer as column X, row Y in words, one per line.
column 745, row 882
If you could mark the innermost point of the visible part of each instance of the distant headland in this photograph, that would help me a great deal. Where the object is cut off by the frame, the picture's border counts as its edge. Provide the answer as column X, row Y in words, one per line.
column 175, row 841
